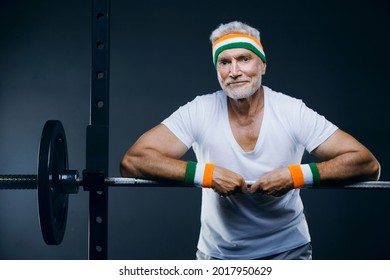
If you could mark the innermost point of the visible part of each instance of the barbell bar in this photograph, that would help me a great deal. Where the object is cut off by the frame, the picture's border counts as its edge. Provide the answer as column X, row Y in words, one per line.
column 70, row 182
column 29, row 182
column 54, row 182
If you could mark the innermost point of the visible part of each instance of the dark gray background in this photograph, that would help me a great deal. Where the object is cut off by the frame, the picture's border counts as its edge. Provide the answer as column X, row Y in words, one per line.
column 332, row 54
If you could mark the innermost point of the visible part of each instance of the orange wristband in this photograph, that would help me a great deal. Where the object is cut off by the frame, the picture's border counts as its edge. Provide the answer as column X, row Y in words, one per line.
column 297, row 175
column 208, row 176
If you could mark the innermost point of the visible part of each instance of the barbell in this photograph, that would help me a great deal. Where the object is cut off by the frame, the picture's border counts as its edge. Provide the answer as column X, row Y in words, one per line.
column 54, row 182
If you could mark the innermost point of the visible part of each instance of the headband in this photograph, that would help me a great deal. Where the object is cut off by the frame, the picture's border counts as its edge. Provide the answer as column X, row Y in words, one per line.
column 237, row 40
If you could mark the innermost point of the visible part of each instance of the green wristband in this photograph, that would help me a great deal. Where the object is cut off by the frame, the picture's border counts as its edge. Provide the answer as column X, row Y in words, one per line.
column 190, row 173
column 316, row 174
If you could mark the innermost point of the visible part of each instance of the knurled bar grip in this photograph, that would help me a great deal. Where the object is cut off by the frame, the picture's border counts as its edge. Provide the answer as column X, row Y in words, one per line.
column 29, row 182
column 18, row 182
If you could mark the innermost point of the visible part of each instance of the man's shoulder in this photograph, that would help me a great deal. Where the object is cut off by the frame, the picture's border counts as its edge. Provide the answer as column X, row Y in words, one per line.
column 210, row 99
column 277, row 94
column 282, row 100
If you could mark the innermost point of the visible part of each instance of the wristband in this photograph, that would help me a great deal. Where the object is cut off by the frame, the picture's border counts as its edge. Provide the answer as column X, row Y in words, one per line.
column 316, row 174
column 208, row 175
column 304, row 175
column 199, row 174
column 190, row 173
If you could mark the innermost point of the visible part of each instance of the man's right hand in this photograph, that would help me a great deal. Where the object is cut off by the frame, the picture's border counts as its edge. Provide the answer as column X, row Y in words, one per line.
column 226, row 182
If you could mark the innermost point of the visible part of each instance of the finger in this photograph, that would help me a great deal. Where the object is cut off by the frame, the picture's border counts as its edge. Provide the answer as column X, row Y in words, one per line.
column 244, row 187
column 256, row 188
column 253, row 188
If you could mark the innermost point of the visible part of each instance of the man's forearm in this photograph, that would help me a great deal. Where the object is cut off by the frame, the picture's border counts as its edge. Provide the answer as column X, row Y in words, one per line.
column 153, row 165
column 351, row 166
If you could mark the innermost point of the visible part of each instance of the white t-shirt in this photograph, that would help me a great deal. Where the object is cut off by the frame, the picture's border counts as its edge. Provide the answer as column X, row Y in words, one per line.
column 249, row 226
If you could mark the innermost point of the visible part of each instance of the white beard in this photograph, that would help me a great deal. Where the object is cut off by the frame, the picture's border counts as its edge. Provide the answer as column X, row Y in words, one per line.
column 244, row 91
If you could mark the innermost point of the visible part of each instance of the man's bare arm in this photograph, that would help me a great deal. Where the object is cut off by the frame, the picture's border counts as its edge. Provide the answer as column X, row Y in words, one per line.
column 344, row 159
column 156, row 155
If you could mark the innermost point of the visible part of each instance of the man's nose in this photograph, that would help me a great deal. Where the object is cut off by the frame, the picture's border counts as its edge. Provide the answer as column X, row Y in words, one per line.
column 235, row 70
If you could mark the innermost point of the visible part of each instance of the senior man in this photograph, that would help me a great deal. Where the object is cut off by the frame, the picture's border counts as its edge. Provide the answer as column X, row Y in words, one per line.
column 247, row 131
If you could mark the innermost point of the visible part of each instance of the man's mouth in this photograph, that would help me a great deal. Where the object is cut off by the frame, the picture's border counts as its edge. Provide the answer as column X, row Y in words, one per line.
column 237, row 83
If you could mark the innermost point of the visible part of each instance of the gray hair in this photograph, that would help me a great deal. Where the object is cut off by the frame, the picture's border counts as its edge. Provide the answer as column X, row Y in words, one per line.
column 234, row 27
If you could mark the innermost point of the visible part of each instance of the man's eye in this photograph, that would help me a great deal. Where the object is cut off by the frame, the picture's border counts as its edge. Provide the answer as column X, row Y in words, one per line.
column 223, row 62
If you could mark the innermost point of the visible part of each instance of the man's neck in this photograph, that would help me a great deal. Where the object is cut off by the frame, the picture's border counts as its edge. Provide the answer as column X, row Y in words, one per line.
column 247, row 108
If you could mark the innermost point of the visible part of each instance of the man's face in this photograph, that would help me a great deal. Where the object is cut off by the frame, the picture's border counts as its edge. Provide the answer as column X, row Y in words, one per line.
column 240, row 72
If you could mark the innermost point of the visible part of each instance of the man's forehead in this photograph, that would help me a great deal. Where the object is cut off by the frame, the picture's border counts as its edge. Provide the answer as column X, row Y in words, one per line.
column 235, row 52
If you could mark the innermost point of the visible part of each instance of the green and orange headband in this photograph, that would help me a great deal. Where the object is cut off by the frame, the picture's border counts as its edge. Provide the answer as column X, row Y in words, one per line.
column 237, row 40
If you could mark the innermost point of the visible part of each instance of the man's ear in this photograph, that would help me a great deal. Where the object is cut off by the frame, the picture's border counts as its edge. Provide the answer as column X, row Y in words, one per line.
column 264, row 66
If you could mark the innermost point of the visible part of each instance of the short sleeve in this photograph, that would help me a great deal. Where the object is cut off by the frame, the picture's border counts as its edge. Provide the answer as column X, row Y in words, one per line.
column 185, row 121
column 311, row 128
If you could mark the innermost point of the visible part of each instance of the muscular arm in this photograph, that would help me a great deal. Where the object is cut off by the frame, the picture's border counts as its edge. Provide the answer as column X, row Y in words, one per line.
column 343, row 159
column 157, row 155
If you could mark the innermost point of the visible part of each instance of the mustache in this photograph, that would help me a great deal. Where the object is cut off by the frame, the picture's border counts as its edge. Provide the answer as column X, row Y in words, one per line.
column 229, row 82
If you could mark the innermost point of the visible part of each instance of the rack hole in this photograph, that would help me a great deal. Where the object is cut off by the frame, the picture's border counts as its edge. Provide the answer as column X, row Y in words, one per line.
column 100, row 74
column 99, row 219
column 100, row 45
column 100, row 104
column 99, row 249
column 100, row 16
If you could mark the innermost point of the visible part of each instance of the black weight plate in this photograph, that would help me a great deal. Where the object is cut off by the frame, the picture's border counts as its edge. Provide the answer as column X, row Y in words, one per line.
column 52, row 203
